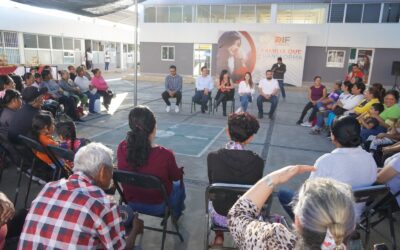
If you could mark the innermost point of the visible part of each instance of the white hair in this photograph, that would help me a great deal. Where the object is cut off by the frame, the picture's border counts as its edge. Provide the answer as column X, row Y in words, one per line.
column 91, row 157
column 325, row 205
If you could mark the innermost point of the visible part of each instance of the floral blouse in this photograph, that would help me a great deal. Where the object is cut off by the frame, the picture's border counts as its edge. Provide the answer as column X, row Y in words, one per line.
column 250, row 233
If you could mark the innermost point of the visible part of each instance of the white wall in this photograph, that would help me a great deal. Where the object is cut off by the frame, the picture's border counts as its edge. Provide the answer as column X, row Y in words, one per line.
column 44, row 21
column 334, row 35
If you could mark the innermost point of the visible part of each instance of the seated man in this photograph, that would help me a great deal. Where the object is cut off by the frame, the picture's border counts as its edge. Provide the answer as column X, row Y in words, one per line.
column 55, row 92
column 21, row 123
column 204, row 86
column 173, row 89
column 86, row 87
column 72, row 72
column 390, row 175
column 268, row 89
column 75, row 213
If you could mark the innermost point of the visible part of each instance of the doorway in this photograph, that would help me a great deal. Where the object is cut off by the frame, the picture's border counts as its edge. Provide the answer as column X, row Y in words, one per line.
column 364, row 58
column 201, row 57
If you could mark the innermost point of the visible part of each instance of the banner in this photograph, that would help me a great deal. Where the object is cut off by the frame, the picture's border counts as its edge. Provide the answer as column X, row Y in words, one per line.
column 241, row 51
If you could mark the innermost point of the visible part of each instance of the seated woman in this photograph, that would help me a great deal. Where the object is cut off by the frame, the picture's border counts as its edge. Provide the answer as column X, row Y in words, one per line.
column 371, row 96
column 316, row 93
column 324, row 214
column 390, row 175
column 246, row 90
column 71, row 89
column 233, row 164
column 138, row 153
column 102, row 87
column 226, row 90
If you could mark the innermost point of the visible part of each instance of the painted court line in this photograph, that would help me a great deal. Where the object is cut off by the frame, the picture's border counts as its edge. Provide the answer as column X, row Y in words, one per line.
column 108, row 131
column 210, row 143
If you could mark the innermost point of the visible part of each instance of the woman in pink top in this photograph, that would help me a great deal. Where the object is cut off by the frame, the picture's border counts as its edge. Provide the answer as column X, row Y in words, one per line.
column 102, row 87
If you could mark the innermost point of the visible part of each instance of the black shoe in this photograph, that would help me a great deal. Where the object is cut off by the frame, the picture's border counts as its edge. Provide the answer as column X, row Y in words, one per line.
column 271, row 117
column 79, row 120
column 203, row 111
column 206, row 108
column 224, row 113
column 260, row 115
column 299, row 122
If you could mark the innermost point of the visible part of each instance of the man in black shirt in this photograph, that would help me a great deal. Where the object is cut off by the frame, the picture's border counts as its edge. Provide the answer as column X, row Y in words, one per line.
column 21, row 123
column 279, row 70
column 72, row 72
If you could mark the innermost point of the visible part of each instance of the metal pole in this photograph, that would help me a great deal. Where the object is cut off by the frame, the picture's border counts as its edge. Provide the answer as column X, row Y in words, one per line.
column 136, row 57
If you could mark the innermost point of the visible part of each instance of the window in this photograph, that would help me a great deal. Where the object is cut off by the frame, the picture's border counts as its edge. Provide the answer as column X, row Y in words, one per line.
column 336, row 12
column 167, row 53
column 391, row 13
column 57, row 42
column 217, row 13
column 175, row 14
column 188, row 13
column 150, row 14
column 203, row 13
column 77, row 44
column 263, row 13
column 10, row 39
column 162, row 14
column 302, row 13
column 44, row 42
column 69, row 58
column 68, row 43
column 232, row 14
column 354, row 13
column 95, row 45
column 30, row 41
column 247, row 14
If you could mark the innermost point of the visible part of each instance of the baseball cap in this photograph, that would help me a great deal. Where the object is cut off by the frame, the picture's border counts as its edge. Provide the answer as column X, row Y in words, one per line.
column 29, row 94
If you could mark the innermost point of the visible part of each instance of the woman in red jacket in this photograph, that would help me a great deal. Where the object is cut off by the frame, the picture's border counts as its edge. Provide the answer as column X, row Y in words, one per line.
column 138, row 153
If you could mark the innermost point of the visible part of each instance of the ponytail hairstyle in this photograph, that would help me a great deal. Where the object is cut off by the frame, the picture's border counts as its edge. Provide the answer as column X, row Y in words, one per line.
column 94, row 71
column 142, row 123
column 324, row 206
column 68, row 131
column 40, row 121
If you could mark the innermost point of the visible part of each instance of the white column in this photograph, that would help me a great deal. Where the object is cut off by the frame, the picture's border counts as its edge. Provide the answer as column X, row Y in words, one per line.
column 21, row 48
column 274, row 12
column 121, row 58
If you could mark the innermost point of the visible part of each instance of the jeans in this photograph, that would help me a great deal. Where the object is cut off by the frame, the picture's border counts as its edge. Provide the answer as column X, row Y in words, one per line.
column 244, row 101
column 176, row 199
column 106, row 66
column 92, row 99
column 314, row 111
column 224, row 97
column 202, row 99
column 331, row 118
column 274, row 103
column 285, row 197
column 282, row 87
column 165, row 96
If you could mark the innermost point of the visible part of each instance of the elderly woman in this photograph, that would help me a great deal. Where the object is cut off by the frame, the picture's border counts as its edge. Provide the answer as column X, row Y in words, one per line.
column 234, row 164
column 324, row 214
column 82, row 216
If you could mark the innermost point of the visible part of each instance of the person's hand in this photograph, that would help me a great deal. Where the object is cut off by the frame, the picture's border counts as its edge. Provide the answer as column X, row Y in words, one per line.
column 381, row 136
column 7, row 210
column 137, row 225
column 285, row 174
column 205, row 91
column 267, row 96
column 385, row 150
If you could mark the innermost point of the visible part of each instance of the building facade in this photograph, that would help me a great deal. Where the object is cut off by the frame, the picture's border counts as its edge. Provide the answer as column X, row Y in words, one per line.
column 338, row 32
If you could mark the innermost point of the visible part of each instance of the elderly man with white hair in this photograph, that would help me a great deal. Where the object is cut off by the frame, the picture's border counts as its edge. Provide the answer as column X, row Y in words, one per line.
column 75, row 213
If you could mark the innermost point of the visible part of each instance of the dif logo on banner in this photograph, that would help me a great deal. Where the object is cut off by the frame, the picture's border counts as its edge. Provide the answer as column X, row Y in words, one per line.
column 241, row 51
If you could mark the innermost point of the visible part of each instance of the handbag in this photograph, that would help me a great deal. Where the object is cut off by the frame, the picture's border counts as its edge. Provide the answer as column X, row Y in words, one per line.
column 97, row 106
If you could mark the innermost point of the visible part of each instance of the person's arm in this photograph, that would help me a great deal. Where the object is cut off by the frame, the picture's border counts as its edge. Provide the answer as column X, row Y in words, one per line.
column 323, row 95
column 137, row 228
column 395, row 148
column 261, row 191
column 351, row 103
column 174, row 172
column 386, row 174
column 166, row 83
column 7, row 210
column 241, row 88
column 283, row 68
column 309, row 95
column 180, row 83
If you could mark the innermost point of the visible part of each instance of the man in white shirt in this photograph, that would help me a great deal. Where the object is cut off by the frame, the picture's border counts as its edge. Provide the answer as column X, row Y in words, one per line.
column 204, row 86
column 89, row 58
column 107, row 60
column 268, row 90
column 86, row 87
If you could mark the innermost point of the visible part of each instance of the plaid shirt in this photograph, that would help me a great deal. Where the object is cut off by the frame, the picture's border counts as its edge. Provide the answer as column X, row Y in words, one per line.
column 72, row 214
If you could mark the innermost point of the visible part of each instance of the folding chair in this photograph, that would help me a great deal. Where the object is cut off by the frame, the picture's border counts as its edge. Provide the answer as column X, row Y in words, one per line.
column 32, row 146
column 371, row 196
column 148, row 182
column 223, row 196
column 210, row 104
column 56, row 153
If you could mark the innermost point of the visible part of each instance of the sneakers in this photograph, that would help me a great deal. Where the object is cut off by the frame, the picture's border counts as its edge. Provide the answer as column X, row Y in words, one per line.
column 306, row 124
column 260, row 115
column 168, row 108
column 315, row 130
column 176, row 109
